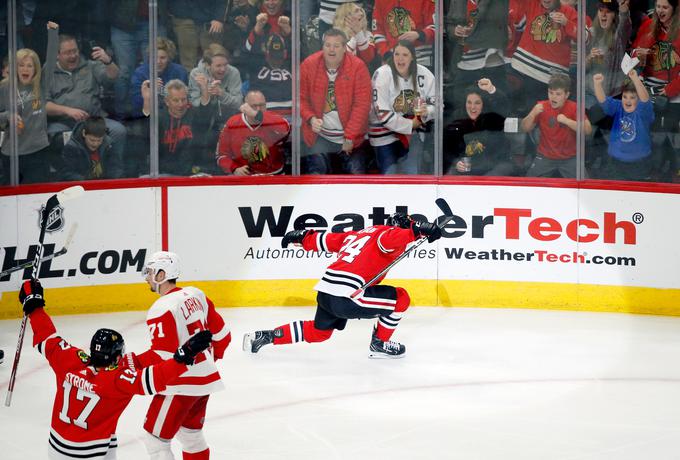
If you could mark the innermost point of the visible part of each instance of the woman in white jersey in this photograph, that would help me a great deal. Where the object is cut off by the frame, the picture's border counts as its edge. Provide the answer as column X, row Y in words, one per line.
column 403, row 103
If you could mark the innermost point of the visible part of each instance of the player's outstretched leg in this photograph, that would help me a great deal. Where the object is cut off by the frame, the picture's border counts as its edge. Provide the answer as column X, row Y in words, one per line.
column 253, row 341
column 297, row 331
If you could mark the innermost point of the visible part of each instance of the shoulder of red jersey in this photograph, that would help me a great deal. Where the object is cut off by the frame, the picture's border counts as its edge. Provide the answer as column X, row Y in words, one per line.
column 68, row 355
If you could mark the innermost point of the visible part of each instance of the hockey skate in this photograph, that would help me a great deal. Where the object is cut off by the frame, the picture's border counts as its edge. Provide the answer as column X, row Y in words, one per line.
column 2, row 356
column 385, row 350
column 253, row 341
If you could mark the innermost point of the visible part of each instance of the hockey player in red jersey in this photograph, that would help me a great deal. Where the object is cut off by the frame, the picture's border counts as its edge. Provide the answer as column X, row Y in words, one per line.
column 361, row 256
column 93, row 390
column 177, row 314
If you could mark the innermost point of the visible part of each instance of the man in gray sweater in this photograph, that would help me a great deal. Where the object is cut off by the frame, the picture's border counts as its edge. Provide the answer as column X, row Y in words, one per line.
column 73, row 94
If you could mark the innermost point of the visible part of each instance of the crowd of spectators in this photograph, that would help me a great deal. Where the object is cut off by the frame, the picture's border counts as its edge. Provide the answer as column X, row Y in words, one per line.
column 527, row 48
column 367, row 98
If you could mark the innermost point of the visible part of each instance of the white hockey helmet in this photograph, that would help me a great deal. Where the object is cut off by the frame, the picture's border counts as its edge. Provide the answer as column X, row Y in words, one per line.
column 162, row 260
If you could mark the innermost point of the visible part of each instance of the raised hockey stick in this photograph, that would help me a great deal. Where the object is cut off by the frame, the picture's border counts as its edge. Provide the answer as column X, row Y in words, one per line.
column 441, row 222
column 60, row 252
column 52, row 202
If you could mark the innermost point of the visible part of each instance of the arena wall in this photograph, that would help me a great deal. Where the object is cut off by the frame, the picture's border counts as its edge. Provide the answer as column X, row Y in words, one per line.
column 513, row 243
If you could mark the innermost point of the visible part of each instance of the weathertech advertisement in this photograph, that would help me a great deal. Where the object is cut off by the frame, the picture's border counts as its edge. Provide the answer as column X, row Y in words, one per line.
column 504, row 246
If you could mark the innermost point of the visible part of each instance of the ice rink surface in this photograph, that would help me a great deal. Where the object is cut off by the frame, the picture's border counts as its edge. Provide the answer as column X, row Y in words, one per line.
column 476, row 384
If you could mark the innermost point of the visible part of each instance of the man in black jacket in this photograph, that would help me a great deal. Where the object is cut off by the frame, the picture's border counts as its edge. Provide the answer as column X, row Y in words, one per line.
column 89, row 154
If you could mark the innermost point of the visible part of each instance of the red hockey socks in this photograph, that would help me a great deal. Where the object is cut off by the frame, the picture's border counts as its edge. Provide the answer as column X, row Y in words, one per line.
column 202, row 455
column 299, row 331
column 387, row 324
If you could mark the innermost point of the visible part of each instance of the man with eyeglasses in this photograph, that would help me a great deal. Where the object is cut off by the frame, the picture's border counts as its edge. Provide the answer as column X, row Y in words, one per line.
column 73, row 91
column 255, row 141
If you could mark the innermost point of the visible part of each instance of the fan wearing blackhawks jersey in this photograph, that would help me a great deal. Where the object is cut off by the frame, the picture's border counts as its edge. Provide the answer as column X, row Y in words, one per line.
column 93, row 390
column 253, row 142
column 362, row 255
column 180, row 312
column 403, row 95
column 545, row 46
column 410, row 20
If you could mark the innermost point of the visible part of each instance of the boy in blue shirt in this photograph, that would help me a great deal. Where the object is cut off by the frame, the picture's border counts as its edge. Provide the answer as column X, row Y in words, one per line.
column 630, row 144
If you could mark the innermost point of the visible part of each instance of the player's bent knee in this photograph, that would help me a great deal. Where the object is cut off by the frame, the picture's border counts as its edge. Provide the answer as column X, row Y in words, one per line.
column 158, row 449
column 403, row 300
column 317, row 335
column 192, row 440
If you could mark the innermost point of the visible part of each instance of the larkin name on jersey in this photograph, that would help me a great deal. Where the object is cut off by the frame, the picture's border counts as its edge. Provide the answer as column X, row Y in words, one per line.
column 172, row 320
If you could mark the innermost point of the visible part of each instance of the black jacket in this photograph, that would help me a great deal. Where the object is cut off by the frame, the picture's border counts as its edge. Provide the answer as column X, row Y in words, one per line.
column 76, row 158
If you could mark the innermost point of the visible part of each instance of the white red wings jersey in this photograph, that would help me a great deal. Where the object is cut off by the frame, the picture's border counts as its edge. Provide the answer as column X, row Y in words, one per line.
column 545, row 46
column 392, row 18
column 88, row 402
column 362, row 255
column 393, row 105
column 172, row 320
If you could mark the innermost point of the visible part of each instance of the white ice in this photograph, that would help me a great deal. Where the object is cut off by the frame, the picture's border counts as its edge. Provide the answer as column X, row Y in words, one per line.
column 476, row 384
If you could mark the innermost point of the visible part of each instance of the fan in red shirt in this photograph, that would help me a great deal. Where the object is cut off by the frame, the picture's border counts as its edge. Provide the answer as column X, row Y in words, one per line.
column 362, row 255
column 253, row 142
column 93, row 390
column 557, row 123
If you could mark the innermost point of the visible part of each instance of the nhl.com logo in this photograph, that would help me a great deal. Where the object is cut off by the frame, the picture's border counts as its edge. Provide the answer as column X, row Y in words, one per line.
column 55, row 220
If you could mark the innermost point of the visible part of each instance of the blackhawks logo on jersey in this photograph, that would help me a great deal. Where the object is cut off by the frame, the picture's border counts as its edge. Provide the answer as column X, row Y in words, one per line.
column 474, row 147
column 331, row 104
column 404, row 102
column 254, row 150
column 545, row 30
column 664, row 56
column 399, row 21
column 83, row 356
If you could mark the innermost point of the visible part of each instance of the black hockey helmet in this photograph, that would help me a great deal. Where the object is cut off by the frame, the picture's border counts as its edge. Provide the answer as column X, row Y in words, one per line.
column 106, row 347
column 399, row 219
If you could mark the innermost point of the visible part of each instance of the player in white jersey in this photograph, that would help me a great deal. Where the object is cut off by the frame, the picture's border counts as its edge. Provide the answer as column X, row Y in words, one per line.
column 403, row 103
column 175, row 316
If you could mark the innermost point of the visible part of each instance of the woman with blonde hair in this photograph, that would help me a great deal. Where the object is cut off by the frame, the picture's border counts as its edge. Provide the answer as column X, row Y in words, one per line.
column 351, row 19
column 33, row 146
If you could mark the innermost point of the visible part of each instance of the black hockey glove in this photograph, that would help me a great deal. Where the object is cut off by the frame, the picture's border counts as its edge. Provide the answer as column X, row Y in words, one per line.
column 31, row 295
column 196, row 344
column 428, row 229
column 295, row 236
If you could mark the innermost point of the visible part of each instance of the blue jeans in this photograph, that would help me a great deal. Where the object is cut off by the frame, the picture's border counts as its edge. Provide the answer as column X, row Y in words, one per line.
column 128, row 47
column 325, row 157
column 395, row 158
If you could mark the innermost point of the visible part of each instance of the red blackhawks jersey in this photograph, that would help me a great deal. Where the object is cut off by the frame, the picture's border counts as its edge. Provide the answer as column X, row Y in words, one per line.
column 662, row 64
column 88, row 401
column 258, row 146
column 172, row 320
column 362, row 255
column 545, row 46
column 392, row 18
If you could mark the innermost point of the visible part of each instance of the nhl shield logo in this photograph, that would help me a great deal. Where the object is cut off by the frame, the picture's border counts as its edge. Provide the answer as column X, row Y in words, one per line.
column 55, row 220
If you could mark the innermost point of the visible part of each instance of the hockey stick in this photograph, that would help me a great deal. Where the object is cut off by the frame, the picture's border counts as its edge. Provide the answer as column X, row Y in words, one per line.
column 52, row 202
column 60, row 252
column 441, row 222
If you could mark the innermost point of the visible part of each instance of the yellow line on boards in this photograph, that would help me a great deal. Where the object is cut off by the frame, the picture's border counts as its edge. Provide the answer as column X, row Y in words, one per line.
column 448, row 293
